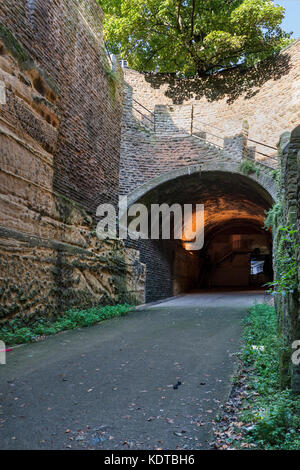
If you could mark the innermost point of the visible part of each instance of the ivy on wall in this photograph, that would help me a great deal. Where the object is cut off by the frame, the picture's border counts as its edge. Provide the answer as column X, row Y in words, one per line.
column 282, row 218
column 285, row 252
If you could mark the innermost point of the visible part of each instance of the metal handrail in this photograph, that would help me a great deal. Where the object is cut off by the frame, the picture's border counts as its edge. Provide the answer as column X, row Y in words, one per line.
column 142, row 114
column 205, row 140
column 272, row 157
column 140, row 104
column 210, row 133
column 209, row 125
column 219, row 129
column 260, row 143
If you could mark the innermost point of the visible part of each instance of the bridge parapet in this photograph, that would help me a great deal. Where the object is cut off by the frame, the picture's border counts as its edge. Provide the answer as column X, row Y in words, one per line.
column 169, row 137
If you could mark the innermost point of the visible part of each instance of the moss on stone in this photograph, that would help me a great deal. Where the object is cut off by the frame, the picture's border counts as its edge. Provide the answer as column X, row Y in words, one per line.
column 66, row 208
column 283, row 220
column 13, row 46
column 247, row 167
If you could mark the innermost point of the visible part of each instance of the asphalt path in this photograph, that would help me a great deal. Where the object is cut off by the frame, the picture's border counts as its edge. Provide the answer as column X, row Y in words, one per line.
column 153, row 379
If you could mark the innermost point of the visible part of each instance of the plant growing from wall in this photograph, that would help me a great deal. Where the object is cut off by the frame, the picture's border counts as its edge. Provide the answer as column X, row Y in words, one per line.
column 282, row 218
column 247, row 167
column 286, row 253
column 286, row 262
column 12, row 45
column 273, row 215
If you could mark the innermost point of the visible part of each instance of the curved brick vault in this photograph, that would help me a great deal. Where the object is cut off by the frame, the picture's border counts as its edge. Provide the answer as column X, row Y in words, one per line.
column 212, row 181
column 225, row 191
column 234, row 204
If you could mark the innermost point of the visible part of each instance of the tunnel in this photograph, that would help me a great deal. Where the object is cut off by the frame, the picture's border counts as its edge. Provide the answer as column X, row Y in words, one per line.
column 237, row 249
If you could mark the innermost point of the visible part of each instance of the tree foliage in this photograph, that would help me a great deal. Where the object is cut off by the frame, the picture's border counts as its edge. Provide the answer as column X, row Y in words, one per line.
column 194, row 37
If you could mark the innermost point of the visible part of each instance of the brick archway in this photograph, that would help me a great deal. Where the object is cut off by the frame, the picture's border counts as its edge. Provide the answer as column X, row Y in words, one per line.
column 234, row 202
column 263, row 179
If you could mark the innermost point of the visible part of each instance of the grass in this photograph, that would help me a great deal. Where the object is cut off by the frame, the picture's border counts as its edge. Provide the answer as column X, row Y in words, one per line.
column 272, row 415
column 16, row 332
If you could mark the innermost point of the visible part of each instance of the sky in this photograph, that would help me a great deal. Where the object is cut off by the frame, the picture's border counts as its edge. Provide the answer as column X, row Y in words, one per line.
column 292, row 16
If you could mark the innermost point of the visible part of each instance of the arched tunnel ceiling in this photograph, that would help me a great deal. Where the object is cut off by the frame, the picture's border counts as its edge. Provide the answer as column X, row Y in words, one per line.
column 226, row 197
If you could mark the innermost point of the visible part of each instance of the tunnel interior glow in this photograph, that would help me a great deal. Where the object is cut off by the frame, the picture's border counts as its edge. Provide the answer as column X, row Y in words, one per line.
column 237, row 250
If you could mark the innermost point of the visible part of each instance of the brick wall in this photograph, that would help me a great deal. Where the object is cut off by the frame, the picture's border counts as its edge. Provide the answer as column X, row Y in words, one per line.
column 148, row 151
column 60, row 146
column 63, row 38
column 267, row 96
column 263, row 100
column 157, row 256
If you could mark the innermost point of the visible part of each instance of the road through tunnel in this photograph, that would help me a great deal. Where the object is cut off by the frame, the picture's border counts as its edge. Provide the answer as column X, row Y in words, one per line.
column 237, row 250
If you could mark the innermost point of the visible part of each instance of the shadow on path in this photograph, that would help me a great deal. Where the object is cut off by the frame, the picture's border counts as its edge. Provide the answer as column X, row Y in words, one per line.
column 111, row 386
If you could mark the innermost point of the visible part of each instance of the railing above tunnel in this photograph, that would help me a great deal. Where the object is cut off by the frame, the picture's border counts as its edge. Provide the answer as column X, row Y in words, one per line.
column 198, row 126
column 183, row 122
column 145, row 113
column 214, row 135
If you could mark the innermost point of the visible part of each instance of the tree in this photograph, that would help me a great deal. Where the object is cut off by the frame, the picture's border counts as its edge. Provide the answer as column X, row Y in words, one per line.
column 194, row 37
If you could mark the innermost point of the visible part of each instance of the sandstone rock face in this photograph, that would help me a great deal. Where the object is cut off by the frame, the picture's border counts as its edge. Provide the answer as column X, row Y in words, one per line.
column 59, row 139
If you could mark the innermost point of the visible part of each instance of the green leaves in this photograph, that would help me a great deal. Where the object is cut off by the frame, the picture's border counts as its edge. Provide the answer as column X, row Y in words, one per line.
column 273, row 414
column 286, row 262
column 16, row 332
column 194, row 37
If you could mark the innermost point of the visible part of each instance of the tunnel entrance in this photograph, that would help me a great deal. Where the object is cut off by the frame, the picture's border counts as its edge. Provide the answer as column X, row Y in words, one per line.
column 236, row 256
column 237, row 250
